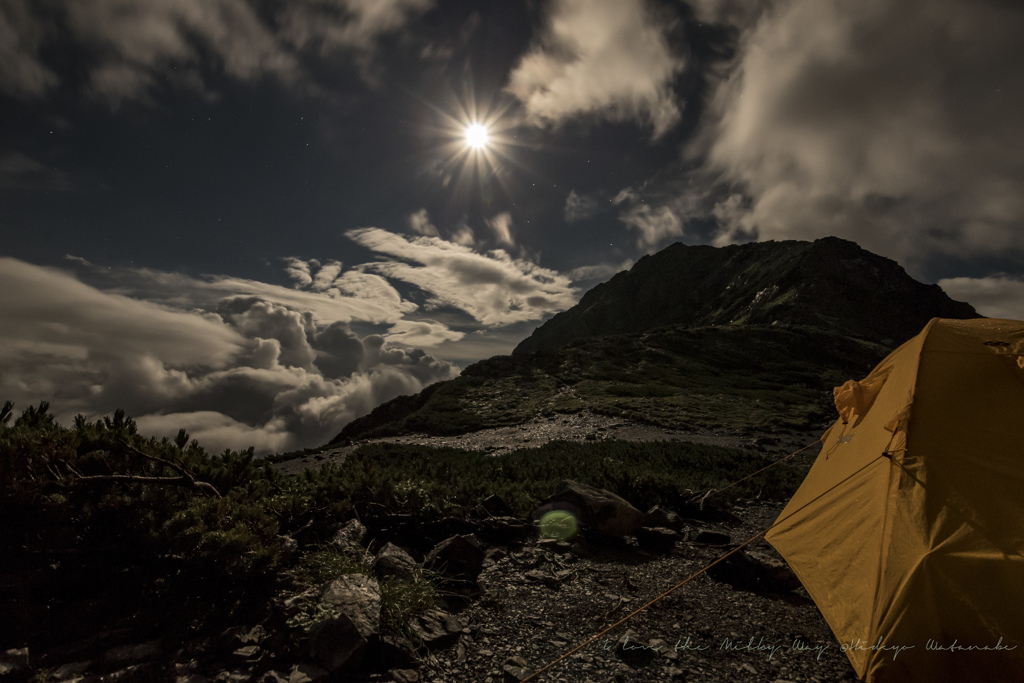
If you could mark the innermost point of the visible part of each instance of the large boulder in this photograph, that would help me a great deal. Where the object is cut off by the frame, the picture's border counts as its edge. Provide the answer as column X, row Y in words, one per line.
column 600, row 510
column 435, row 629
column 757, row 572
column 339, row 644
column 663, row 517
column 356, row 596
column 506, row 530
column 457, row 557
column 393, row 561
column 656, row 539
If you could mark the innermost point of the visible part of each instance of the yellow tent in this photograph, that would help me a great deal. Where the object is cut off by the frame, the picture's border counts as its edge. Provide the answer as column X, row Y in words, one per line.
column 908, row 531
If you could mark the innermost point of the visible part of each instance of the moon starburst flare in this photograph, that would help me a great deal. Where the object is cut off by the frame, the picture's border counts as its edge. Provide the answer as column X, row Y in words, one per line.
column 477, row 136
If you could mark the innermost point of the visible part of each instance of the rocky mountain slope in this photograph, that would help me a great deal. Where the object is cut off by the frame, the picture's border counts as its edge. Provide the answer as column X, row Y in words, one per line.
column 830, row 284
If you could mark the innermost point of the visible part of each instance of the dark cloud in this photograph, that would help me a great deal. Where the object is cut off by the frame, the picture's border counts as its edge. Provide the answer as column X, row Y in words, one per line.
column 896, row 124
column 997, row 296
column 132, row 46
column 291, row 329
column 328, row 27
column 579, row 207
column 22, row 72
column 339, row 352
column 21, row 172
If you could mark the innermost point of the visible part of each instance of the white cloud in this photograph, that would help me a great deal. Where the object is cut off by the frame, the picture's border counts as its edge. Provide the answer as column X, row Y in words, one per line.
column 493, row 288
column 607, row 58
column 598, row 271
column 233, row 361
column 77, row 321
column 326, row 277
column 501, row 226
column 626, row 194
column 655, row 226
column 998, row 296
column 420, row 224
column 421, row 333
column 464, row 236
column 300, row 271
column 217, row 432
column 896, row 124
column 353, row 295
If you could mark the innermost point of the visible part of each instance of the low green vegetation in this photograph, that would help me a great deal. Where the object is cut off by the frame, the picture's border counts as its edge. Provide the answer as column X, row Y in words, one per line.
column 105, row 528
column 452, row 482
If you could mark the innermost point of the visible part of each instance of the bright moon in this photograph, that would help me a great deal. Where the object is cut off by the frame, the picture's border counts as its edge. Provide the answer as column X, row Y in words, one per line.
column 476, row 135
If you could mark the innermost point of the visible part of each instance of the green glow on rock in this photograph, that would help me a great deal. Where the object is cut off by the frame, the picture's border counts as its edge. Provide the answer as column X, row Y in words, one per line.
column 558, row 524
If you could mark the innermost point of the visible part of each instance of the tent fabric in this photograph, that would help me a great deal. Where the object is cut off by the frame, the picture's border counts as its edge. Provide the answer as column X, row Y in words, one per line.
column 908, row 531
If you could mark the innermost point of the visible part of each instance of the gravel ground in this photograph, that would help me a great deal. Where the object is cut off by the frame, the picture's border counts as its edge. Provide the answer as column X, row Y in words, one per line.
column 704, row 631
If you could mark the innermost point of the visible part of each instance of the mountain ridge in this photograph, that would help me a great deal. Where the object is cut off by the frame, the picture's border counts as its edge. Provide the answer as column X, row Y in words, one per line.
column 830, row 283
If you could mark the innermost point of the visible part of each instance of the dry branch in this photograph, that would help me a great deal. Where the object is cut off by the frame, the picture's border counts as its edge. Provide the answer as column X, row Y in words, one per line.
column 186, row 478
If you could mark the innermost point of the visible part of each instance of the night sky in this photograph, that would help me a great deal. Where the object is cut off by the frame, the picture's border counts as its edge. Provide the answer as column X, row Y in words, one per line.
column 260, row 219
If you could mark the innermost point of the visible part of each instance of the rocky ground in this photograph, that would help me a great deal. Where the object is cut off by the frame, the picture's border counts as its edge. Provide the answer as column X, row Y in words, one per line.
column 580, row 427
column 541, row 600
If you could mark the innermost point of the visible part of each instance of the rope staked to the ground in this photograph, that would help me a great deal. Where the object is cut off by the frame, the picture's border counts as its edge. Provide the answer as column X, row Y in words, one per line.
column 688, row 578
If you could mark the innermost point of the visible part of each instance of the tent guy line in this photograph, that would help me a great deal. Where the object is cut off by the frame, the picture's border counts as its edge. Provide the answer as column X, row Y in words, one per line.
column 702, row 569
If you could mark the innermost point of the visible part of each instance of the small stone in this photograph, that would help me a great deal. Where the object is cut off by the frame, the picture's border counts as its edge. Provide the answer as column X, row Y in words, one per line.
column 70, row 670
column 515, row 669
column 405, row 676
column 746, row 666
column 14, row 661
column 307, row 673
column 632, row 650
column 656, row 539
column 247, row 652
column 710, row 538
column 134, row 653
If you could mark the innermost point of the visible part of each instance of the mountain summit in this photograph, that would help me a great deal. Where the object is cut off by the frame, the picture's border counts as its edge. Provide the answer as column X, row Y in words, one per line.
column 830, row 283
